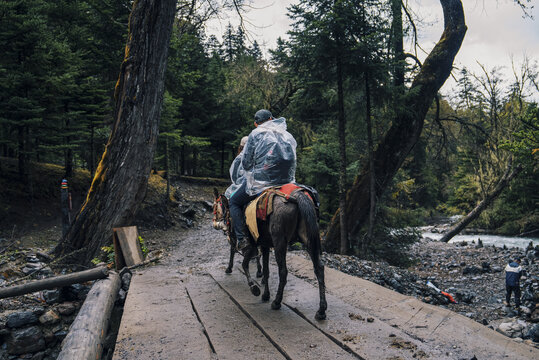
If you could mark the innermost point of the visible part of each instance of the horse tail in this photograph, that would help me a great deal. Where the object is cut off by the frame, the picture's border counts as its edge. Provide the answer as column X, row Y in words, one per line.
column 307, row 213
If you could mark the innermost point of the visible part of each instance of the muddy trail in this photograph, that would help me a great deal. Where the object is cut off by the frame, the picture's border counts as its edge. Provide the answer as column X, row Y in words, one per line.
column 186, row 307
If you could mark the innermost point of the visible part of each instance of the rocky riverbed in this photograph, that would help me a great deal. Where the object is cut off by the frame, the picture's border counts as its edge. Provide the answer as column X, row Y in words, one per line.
column 471, row 273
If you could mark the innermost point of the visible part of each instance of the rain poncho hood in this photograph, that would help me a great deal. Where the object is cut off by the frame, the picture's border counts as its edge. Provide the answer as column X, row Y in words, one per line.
column 269, row 157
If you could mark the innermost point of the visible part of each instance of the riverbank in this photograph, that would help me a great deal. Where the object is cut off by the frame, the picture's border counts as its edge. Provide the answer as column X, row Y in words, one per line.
column 473, row 274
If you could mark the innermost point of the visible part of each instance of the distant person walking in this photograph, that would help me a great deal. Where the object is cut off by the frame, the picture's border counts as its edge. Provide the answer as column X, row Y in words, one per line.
column 513, row 272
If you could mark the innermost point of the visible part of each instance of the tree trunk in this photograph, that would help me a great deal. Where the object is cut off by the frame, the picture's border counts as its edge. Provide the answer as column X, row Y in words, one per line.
column 92, row 150
column 407, row 124
column 167, row 168
column 509, row 174
column 68, row 152
column 372, row 190
column 397, row 43
column 342, row 149
column 122, row 175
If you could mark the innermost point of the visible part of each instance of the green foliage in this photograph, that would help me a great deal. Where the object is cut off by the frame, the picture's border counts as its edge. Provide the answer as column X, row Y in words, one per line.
column 390, row 245
column 143, row 246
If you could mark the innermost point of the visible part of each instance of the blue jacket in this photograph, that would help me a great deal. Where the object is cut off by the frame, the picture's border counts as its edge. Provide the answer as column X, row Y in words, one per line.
column 513, row 272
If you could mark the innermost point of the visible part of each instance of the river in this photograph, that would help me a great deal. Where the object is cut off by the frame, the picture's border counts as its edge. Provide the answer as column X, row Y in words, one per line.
column 496, row 240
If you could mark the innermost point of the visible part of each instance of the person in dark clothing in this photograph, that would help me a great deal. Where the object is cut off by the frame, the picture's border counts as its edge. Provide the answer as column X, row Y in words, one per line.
column 268, row 159
column 513, row 272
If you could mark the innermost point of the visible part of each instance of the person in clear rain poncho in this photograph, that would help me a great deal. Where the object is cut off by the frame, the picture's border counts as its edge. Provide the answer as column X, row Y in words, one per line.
column 268, row 159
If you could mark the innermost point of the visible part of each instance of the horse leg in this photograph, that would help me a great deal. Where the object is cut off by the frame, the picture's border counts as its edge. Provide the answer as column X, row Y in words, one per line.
column 280, row 257
column 258, row 267
column 265, row 271
column 231, row 260
column 319, row 272
column 249, row 253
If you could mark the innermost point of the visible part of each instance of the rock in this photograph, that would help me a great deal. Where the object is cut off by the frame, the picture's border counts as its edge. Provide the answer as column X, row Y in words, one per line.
column 52, row 296
column 20, row 319
column 48, row 336
column 122, row 295
column 75, row 292
column 26, row 340
column 43, row 257
column 126, row 281
column 472, row 270
column 505, row 328
column 67, row 308
column 465, row 296
column 38, row 310
column 534, row 317
column 61, row 334
column 533, row 333
column 190, row 212
column 38, row 356
column 49, row 318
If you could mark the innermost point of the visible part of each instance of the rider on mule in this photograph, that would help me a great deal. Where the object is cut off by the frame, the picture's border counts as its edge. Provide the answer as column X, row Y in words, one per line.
column 268, row 159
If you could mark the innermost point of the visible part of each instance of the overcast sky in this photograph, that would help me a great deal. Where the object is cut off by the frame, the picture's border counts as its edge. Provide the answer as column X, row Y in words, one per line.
column 496, row 30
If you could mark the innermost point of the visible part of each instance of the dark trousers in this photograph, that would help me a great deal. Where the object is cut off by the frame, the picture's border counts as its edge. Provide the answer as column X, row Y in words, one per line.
column 509, row 289
column 237, row 201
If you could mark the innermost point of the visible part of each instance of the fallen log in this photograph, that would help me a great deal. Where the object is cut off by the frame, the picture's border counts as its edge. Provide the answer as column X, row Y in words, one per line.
column 87, row 333
column 54, row 282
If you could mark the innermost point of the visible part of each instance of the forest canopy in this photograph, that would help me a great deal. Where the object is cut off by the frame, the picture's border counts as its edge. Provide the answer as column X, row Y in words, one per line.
column 60, row 62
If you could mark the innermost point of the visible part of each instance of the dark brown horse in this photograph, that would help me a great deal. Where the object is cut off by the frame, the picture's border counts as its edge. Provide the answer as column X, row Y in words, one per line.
column 291, row 219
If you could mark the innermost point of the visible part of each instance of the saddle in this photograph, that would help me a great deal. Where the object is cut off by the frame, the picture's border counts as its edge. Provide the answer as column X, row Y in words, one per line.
column 262, row 207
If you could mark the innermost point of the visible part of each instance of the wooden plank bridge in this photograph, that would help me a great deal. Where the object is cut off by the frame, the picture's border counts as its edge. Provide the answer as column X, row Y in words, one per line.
column 207, row 314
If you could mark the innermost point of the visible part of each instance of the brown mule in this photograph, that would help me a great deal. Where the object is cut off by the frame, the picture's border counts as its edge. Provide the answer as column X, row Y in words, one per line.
column 291, row 219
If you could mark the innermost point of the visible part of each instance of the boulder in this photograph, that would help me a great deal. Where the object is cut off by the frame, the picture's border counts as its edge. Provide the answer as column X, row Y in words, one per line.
column 52, row 296
column 20, row 319
column 533, row 333
column 25, row 340
column 49, row 318
column 67, row 308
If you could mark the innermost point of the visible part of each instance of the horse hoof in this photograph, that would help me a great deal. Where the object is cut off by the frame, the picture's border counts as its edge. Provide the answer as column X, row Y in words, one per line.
column 255, row 290
column 228, row 270
column 258, row 274
column 265, row 297
column 275, row 306
column 320, row 315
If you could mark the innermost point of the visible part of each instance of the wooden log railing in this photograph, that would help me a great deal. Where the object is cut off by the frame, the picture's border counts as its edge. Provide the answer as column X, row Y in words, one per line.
column 54, row 282
column 87, row 333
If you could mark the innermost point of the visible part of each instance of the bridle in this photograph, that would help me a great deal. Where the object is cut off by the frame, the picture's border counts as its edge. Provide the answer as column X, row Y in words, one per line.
column 221, row 216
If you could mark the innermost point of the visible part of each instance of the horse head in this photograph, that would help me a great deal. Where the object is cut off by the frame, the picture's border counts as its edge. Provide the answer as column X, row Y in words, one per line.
column 221, row 219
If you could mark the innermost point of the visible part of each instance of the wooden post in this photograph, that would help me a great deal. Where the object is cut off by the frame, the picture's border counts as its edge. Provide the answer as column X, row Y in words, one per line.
column 126, row 247
column 54, row 282
column 87, row 333
column 64, row 198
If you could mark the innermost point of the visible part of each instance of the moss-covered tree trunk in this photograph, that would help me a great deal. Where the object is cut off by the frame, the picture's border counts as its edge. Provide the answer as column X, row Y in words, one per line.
column 122, row 175
column 407, row 125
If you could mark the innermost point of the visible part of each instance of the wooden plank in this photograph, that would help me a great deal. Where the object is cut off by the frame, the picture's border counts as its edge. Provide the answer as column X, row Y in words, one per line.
column 128, row 240
column 87, row 333
column 231, row 332
column 158, row 321
column 55, row 282
column 442, row 329
column 362, row 332
column 297, row 338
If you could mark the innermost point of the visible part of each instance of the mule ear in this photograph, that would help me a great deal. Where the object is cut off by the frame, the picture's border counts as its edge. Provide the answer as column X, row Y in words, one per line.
column 215, row 193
